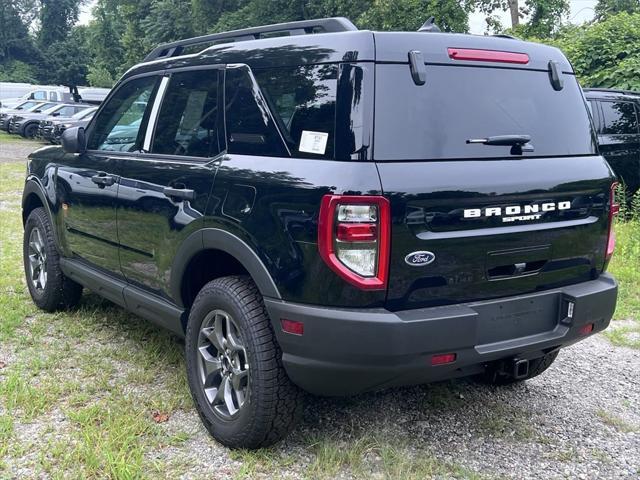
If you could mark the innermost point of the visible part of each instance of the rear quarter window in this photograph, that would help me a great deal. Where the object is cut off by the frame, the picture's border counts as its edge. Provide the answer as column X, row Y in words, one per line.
column 434, row 120
column 620, row 118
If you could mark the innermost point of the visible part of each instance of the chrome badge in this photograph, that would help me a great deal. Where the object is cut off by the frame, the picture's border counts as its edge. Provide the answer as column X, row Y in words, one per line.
column 419, row 259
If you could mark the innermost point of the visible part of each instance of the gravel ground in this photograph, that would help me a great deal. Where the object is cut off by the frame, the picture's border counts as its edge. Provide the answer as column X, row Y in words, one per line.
column 580, row 419
column 15, row 150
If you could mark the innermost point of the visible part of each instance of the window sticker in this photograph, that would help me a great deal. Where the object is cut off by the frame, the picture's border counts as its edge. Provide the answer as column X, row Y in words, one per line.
column 313, row 142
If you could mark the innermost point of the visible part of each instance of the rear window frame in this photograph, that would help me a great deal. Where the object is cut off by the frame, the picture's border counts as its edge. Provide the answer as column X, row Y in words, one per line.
column 473, row 65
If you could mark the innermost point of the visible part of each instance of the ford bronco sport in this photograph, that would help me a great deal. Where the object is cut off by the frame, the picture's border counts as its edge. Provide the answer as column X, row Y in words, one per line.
column 319, row 208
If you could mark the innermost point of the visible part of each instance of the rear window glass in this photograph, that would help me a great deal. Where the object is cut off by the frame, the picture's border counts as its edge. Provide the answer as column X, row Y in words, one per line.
column 250, row 128
column 619, row 118
column 304, row 101
column 435, row 120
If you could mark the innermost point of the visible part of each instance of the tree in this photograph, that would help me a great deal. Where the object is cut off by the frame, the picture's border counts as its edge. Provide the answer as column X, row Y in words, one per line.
column 168, row 21
column 605, row 8
column 409, row 15
column 544, row 16
column 605, row 53
column 15, row 42
column 57, row 17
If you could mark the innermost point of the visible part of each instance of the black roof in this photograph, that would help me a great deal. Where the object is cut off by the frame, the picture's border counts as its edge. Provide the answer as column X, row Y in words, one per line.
column 342, row 42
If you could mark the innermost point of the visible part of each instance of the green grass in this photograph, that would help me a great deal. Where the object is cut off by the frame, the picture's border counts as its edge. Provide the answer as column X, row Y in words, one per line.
column 8, row 138
column 616, row 422
column 625, row 266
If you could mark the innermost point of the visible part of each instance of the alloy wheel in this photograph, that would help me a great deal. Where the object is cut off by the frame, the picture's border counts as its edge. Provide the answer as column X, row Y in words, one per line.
column 37, row 260
column 223, row 364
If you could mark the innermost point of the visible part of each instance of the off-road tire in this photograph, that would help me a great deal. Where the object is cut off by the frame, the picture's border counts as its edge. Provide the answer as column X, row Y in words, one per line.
column 274, row 403
column 536, row 367
column 60, row 292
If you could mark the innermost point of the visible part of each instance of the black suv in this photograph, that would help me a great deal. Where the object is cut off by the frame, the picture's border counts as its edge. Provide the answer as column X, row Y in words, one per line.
column 325, row 209
column 616, row 114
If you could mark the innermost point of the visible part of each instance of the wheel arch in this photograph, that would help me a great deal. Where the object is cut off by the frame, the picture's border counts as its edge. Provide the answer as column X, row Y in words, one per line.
column 230, row 255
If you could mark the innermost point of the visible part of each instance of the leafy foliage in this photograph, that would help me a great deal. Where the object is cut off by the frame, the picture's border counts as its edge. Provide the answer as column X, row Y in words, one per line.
column 605, row 53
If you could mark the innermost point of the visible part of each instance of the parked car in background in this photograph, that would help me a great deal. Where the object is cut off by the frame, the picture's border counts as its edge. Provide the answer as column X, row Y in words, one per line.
column 12, row 94
column 51, row 129
column 29, row 106
column 27, row 124
column 615, row 115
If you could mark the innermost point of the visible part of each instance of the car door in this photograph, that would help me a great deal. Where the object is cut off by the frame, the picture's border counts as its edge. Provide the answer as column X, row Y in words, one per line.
column 619, row 140
column 164, row 191
column 89, row 182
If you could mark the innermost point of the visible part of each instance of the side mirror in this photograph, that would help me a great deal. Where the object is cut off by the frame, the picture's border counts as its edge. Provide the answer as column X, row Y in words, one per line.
column 55, row 114
column 73, row 140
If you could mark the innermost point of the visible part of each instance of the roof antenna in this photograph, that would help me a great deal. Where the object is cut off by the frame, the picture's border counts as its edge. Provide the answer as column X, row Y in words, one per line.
column 429, row 25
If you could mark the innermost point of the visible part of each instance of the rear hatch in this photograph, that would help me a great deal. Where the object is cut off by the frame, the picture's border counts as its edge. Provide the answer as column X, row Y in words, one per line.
column 526, row 210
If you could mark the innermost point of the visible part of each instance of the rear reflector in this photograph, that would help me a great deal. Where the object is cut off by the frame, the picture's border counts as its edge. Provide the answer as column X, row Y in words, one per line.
column 443, row 358
column 614, row 210
column 292, row 326
column 586, row 329
column 475, row 55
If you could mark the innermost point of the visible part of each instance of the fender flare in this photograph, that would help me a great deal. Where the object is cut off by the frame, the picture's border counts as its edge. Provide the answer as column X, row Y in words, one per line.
column 33, row 186
column 217, row 239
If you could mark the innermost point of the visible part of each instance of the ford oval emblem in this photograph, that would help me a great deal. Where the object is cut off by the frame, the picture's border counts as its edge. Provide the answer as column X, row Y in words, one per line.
column 419, row 259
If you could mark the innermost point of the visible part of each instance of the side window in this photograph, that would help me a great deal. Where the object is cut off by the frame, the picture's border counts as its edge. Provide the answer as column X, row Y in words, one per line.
column 39, row 95
column 66, row 111
column 119, row 127
column 304, row 100
column 250, row 127
column 188, row 119
column 619, row 118
column 52, row 96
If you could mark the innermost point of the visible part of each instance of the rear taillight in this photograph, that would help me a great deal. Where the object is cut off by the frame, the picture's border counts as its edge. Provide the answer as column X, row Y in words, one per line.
column 614, row 209
column 354, row 238
column 478, row 55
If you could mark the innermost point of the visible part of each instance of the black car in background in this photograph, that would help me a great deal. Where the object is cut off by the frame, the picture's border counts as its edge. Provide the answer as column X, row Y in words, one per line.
column 51, row 128
column 616, row 115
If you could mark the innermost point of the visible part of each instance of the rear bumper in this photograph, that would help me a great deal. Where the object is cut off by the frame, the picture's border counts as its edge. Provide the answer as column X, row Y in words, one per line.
column 348, row 351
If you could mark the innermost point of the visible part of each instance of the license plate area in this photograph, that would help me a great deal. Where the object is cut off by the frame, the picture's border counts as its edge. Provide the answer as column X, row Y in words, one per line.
column 516, row 318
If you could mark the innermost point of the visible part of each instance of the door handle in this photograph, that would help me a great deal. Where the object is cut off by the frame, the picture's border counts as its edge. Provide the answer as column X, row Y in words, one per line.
column 179, row 193
column 104, row 180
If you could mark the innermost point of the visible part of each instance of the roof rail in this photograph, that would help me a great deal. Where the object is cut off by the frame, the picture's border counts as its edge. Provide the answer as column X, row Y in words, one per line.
column 610, row 90
column 303, row 27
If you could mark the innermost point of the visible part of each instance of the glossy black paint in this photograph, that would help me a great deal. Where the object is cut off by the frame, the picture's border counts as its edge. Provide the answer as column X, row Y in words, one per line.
column 113, row 212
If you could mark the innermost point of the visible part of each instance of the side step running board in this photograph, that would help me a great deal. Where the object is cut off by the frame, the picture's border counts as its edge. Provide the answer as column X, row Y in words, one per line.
column 144, row 304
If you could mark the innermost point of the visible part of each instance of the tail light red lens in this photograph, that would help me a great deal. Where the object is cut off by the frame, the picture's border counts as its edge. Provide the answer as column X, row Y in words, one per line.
column 354, row 238
column 614, row 209
column 477, row 55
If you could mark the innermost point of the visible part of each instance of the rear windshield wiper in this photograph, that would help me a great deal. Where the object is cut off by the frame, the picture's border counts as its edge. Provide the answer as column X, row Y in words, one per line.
column 518, row 143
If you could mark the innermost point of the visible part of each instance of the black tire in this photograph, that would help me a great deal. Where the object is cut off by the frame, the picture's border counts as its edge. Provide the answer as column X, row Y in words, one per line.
column 494, row 376
column 59, row 292
column 272, row 403
column 30, row 130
